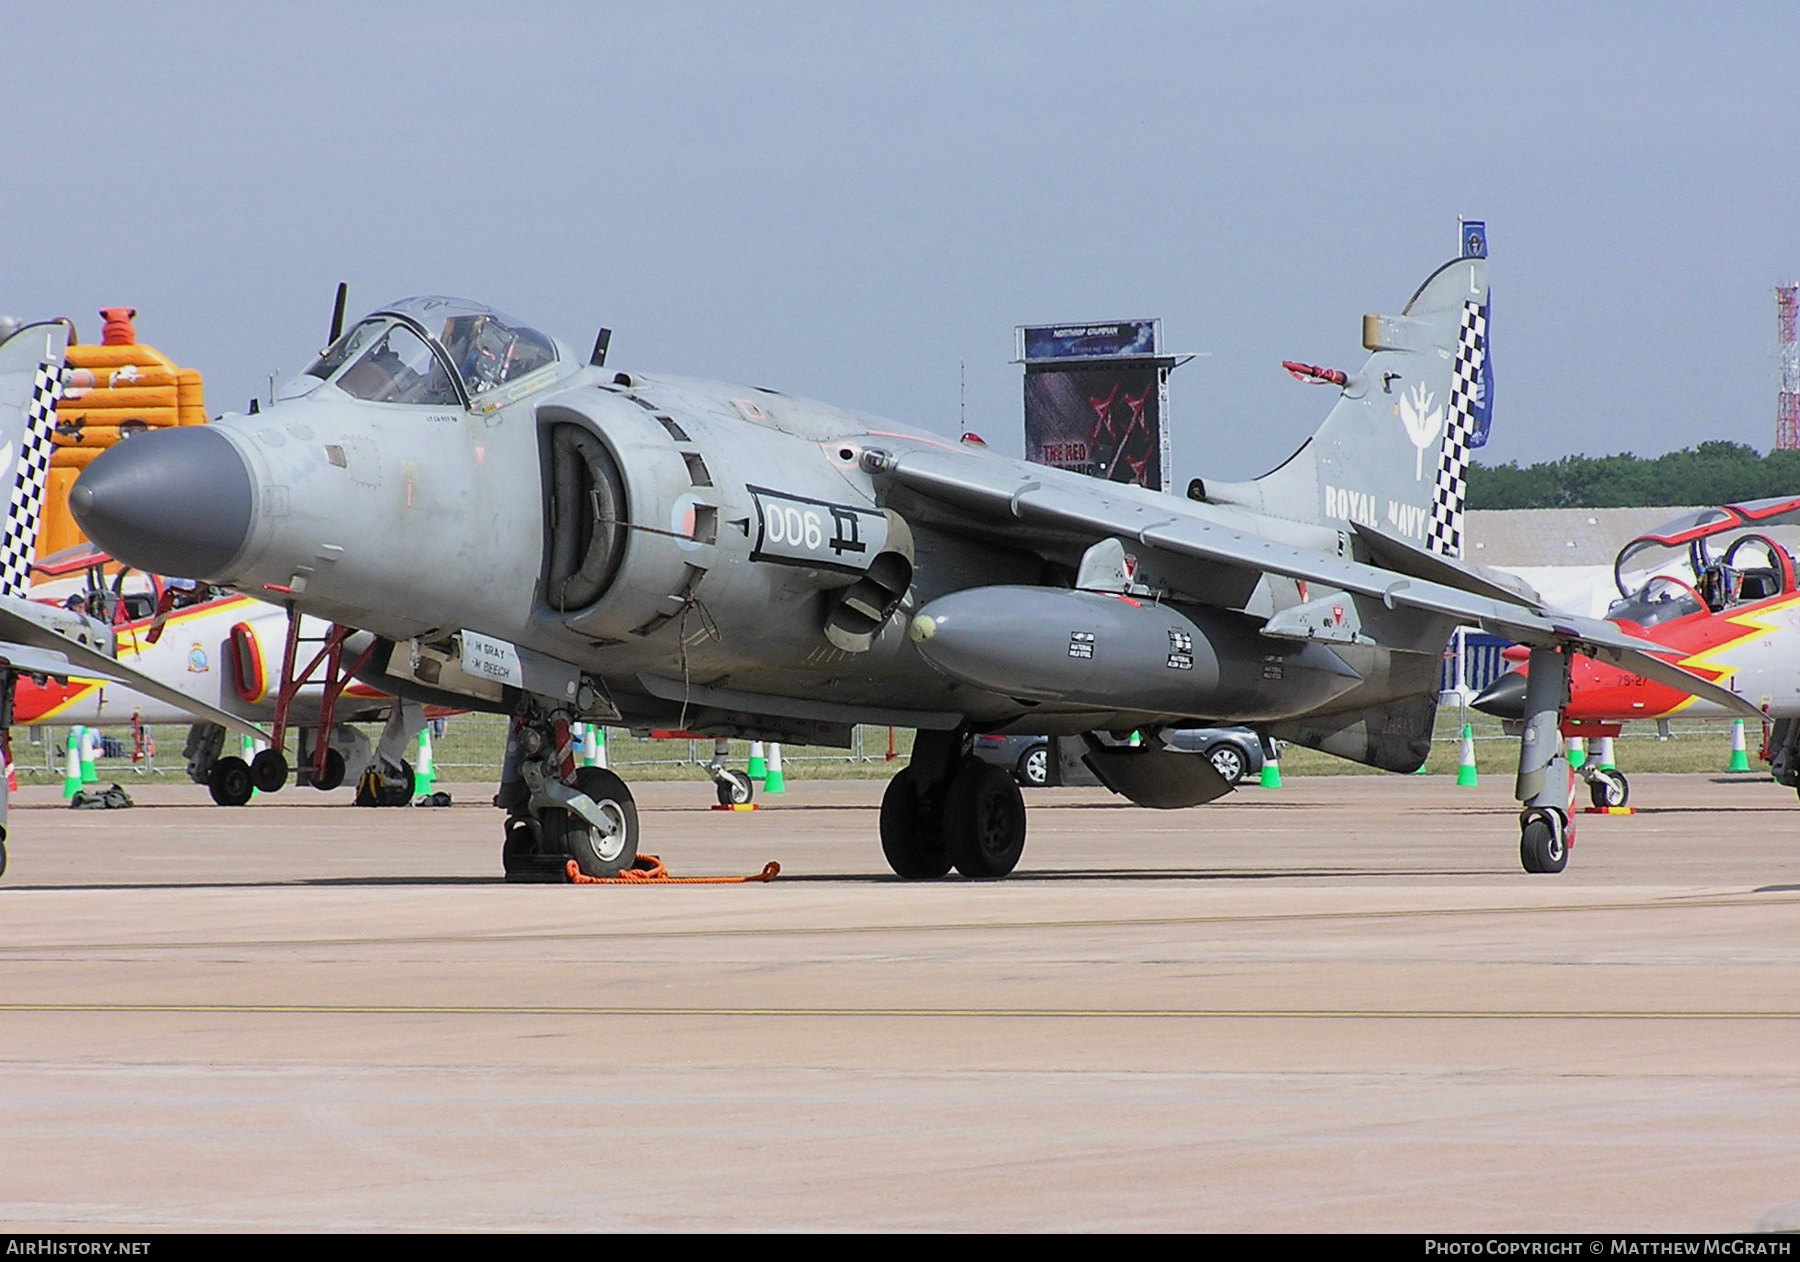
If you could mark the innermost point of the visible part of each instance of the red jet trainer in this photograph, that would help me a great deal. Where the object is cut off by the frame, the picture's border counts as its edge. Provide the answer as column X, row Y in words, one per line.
column 1726, row 606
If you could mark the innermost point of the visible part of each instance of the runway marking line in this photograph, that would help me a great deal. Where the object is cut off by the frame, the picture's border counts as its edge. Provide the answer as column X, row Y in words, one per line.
column 1747, row 899
column 1208, row 1014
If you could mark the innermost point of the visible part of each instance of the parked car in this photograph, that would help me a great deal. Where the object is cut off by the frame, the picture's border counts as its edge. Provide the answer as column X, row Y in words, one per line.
column 1236, row 752
column 1027, row 757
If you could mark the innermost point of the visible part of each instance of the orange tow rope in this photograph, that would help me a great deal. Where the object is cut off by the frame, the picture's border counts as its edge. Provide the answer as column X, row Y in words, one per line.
column 647, row 869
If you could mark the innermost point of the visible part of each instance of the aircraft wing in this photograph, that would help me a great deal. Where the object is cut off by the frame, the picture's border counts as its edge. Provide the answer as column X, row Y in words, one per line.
column 31, row 647
column 1065, row 502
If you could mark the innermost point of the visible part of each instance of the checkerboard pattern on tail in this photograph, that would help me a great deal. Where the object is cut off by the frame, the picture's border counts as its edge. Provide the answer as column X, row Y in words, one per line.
column 1443, row 533
column 31, row 473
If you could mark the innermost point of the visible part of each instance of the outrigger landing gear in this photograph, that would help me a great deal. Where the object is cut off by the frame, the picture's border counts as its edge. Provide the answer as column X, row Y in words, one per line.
column 947, row 808
column 555, row 811
column 1545, row 785
column 734, row 787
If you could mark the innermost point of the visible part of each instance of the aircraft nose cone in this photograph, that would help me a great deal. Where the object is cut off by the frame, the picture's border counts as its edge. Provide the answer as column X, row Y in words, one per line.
column 1504, row 698
column 173, row 501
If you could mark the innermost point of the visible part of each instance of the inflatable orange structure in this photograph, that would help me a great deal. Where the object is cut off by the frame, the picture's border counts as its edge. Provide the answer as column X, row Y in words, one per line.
column 113, row 390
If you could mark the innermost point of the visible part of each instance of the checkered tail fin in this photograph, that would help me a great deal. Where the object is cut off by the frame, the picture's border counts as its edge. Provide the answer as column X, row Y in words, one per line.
column 1393, row 452
column 31, row 369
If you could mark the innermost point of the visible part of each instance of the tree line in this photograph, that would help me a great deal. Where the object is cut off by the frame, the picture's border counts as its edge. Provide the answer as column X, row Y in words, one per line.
column 1712, row 473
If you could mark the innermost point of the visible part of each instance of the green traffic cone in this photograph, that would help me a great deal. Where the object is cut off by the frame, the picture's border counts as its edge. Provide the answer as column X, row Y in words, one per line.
column 759, row 764
column 1271, row 773
column 72, row 765
column 89, row 739
column 1465, row 770
column 775, row 782
column 1740, row 757
column 424, row 773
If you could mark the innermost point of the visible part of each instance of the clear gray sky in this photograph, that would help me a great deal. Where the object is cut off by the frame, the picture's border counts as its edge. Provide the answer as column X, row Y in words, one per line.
column 844, row 201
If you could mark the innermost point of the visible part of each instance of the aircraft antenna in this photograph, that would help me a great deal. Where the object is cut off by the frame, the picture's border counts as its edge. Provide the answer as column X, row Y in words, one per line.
column 1787, row 403
column 962, row 395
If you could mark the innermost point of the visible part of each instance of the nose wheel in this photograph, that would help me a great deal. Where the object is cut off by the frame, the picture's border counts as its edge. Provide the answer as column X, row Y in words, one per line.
column 556, row 811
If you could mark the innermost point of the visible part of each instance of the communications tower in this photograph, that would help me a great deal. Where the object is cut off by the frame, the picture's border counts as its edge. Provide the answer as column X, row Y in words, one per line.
column 1787, row 405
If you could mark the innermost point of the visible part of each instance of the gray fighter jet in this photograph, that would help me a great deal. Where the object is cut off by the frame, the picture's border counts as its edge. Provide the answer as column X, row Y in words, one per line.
column 520, row 531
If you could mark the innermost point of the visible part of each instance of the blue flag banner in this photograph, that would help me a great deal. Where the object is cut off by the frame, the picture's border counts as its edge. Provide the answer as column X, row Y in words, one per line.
column 1474, row 238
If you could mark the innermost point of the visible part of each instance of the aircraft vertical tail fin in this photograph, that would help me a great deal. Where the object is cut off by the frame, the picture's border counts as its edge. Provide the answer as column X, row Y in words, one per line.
column 1394, row 450
column 31, row 365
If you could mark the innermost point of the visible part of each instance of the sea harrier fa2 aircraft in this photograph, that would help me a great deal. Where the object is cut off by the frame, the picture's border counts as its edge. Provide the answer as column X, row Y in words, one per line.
column 523, row 532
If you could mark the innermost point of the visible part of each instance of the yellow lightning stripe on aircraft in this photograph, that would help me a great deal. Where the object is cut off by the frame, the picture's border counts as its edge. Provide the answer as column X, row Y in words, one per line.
column 130, row 646
column 1757, row 622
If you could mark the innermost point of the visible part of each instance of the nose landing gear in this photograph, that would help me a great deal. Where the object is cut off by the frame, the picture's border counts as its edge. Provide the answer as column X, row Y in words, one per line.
column 556, row 811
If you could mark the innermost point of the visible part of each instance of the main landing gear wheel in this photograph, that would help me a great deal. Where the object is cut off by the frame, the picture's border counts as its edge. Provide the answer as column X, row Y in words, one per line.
column 269, row 770
column 1542, row 847
column 984, row 821
column 334, row 772
column 597, row 853
column 1609, row 788
column 735, row 788
column 2, row 854
column 229, row 782
column 911, row 832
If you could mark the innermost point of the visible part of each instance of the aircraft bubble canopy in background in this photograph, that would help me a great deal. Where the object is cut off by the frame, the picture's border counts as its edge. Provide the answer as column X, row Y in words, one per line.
column 1716, row 590
column 559, row 541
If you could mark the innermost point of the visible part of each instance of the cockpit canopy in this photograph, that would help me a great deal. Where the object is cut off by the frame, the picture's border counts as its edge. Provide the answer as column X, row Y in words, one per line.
column 1709, row 559
column 433, row 350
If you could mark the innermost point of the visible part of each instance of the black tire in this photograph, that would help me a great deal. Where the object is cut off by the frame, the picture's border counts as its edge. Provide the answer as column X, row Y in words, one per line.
column 595, row 853
column 1540, row 849
column 269, row 771
column 2, row 854
column 984, row 821
column 911, row 833
column 736, row 789
column 1229, row 761
column 334, row 772
column 1033, row 770
column 1609, row 789
column 229, row 782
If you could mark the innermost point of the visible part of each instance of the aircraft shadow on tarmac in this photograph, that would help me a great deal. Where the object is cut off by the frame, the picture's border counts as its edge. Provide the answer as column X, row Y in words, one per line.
column 789, row 878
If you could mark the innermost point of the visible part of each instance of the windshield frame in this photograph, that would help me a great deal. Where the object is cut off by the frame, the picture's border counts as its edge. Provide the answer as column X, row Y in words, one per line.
column 381, row 323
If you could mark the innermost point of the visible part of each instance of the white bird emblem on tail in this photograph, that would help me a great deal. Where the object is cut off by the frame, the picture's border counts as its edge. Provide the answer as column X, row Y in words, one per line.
column 1423, row 423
